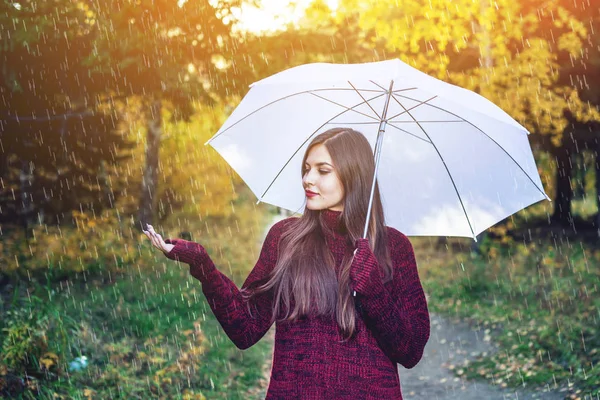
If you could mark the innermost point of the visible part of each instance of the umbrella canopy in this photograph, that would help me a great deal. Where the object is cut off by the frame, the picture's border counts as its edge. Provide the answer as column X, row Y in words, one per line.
column 448, row 161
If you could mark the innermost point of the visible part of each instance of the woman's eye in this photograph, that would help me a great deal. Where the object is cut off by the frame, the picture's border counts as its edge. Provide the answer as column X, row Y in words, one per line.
column 321, row 171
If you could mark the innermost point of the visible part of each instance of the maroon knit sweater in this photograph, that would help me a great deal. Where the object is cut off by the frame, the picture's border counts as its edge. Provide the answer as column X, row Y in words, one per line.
column 309, row 360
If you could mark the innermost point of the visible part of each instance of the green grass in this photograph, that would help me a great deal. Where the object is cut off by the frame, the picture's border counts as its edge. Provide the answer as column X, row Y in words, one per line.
column 541, row 304
column 147, row 333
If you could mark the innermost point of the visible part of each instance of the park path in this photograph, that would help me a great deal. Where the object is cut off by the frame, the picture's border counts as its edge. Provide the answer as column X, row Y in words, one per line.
column 452, row 342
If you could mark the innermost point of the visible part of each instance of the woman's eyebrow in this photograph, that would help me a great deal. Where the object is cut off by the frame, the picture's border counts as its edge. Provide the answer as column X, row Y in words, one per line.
column 321, row 163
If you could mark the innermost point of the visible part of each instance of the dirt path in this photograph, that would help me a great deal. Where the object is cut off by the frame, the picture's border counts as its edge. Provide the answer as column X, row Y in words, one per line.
column 451, row 343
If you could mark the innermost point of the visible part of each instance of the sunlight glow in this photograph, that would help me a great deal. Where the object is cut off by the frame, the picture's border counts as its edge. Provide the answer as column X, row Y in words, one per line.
column 270, row 16
column 273, row 15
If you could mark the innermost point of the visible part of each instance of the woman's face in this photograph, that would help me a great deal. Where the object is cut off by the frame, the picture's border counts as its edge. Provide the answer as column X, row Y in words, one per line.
column 320, row 176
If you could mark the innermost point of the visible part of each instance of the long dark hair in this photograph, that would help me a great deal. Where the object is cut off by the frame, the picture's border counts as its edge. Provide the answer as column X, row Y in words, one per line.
column 304, row 279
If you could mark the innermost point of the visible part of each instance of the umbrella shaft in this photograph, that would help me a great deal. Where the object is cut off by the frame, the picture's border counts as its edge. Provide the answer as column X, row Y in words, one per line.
column 378, row 146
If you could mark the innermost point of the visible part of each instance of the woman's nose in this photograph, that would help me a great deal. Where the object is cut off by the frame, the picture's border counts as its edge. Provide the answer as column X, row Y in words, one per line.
column 308, row 179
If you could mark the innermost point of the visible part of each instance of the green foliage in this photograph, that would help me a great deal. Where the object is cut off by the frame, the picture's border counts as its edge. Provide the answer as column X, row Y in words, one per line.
column 319, row 36
column 538, row 301
column 41, row 35
column 58, row 141
column 94, row 247
column 194, row 181
column 476, row 284
column 149, row 331
column 162, row 49
column 24, row 339
column 33, row 335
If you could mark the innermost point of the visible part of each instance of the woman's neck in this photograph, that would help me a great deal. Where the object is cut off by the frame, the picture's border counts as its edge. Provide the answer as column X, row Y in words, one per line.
column 332, row 219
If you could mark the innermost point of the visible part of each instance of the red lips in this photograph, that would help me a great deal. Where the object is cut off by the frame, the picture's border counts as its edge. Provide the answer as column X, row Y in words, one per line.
column 310, row 194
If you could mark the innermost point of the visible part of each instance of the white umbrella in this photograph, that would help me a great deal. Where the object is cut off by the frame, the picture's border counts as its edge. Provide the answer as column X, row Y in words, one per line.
column 448, row 161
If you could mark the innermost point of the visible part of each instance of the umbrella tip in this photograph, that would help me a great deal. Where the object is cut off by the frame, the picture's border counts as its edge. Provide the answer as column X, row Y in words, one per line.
column 258, row 201
column 475, row 239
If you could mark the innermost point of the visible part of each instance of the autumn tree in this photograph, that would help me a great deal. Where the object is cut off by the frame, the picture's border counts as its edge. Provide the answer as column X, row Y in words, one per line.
column 510, row 52
column 580, row 70
column 317, row 37
column 56, row 139
column 165, row 54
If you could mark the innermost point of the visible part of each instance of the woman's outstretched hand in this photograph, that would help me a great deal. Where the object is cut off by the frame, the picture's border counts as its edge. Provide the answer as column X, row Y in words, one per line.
column 157, row 240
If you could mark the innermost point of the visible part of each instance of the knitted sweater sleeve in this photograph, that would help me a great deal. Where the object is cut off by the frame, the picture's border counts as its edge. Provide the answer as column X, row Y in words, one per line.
column 398, row 317
column 243, row 326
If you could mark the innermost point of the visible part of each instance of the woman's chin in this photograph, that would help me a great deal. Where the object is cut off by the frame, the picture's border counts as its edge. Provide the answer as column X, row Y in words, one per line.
column 314, row 206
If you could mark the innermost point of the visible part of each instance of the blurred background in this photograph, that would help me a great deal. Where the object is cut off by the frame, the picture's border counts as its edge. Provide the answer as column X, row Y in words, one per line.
column 105, row 107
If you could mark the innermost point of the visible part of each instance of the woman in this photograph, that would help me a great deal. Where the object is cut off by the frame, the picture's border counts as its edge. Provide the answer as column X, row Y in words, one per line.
column 329, row 343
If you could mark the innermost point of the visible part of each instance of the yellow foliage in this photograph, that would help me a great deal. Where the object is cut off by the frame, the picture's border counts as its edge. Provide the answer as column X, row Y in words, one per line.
column 516, row 70
column 201, row 180
column 88, row 393
column 190, row 395
column 48, row 360
column 63, row 250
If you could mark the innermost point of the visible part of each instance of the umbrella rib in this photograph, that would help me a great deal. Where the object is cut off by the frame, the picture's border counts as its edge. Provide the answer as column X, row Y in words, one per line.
column 361, row 96
column 343, row 106
column 377, row 84
column 445, row 166
column 393, row 91
column 413, row 107
column 412, row 134
column 353, row 123
column 403, row 90
column 486, row 135
column 412, row 122
column 283, row 98
column 308, row 138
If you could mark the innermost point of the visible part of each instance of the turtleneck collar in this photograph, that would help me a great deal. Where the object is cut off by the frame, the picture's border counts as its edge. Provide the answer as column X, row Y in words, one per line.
column 332, row 219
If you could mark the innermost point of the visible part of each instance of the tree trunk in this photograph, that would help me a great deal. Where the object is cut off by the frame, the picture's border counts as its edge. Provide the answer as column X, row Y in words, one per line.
column 108, row 196
column 579, row 161
column 26, row 183
column 150, row 178
column 564, row 193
